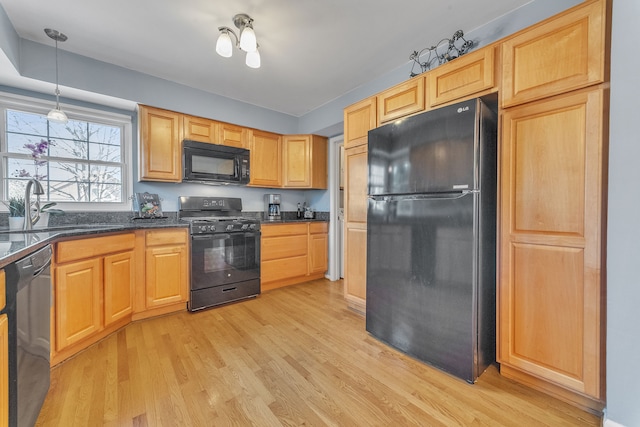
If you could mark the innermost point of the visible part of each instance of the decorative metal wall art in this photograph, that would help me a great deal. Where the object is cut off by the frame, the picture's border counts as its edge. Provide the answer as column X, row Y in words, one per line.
column 445, row 50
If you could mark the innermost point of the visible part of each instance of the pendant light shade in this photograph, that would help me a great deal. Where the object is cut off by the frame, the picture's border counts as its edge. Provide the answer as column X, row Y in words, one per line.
column 253, row 59
column 224, row 46
column 248, row 39
column 56, row 114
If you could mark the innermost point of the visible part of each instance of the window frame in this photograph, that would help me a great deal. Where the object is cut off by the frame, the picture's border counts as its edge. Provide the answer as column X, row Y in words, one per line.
column 38, row 106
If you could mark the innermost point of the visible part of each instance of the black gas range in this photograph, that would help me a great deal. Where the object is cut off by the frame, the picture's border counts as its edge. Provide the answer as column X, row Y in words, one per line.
column 225, row 251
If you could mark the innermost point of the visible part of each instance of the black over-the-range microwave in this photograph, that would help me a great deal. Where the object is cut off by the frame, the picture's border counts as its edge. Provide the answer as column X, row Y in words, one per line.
column 211, row 163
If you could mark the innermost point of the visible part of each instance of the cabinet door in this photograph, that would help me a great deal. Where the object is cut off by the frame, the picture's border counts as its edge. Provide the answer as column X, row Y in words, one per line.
column 470, row 74
column 160, row 136
column 297, row 160
column 4, row 370
column 78, row 299
column 549, row 291
column 318, row 248
column 233, row 136
column 401, row 100
column 200, row 129
column 564, row 53
column 166, row 275
column 359, row 119
column 266, row 159
column 119, row 277
column 355, row 258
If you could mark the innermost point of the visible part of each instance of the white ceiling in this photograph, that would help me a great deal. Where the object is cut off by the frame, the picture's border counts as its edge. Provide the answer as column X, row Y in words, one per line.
column 312, row 51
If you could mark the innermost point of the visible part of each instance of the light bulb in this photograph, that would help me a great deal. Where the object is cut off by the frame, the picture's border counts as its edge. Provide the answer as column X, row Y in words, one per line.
column 253, row 59
column 57, row 115
column 224, row 46
column 248, row 41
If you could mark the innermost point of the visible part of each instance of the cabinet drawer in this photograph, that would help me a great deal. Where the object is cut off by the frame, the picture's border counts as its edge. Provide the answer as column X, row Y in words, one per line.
column 283, row 247
column 279, row 269
column 318, row 227
column 73, row 250
column 2, row 290
column 284, row 229
column 166, row 237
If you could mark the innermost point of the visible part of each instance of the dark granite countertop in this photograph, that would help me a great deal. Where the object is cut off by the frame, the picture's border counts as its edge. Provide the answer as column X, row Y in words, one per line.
column 288, row 221
column 15, row 245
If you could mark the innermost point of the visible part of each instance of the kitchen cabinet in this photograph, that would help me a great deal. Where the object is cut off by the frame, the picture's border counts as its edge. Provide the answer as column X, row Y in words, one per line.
column 285, row 253
column 401, row 100
column 355, row 233
column 318, row 247
column 564, row 53
column 160, row 141
column 200, row 129
column 304, row 161
column 93, row 282
column 470, row 74
column 4, row 357
column 166, row 268
column 550, row 288
column 359, row 119
column 266, row 159
column 233, row 135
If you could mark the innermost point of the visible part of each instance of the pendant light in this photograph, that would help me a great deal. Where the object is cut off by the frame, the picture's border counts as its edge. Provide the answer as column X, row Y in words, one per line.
column 56, row 114
column 246, row 41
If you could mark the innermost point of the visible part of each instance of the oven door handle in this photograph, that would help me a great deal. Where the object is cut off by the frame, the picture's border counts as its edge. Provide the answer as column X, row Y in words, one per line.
column 219, row 236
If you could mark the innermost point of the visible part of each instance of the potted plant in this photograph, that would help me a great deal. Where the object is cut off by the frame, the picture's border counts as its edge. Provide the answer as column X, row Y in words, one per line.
column 45, row 212
column 16, row 212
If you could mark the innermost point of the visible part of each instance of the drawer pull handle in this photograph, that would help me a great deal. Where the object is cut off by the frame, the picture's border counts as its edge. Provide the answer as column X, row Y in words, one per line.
column 229, row 289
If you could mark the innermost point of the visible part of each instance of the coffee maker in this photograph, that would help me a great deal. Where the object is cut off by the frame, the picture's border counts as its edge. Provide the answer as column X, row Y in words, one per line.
column 272, row 207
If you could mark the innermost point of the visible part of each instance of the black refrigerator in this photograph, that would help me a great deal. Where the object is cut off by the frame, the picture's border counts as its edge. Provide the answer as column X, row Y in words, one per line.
column 431, row 237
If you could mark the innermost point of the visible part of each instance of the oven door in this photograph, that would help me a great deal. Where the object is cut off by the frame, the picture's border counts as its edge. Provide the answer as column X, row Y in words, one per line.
column 225, row 258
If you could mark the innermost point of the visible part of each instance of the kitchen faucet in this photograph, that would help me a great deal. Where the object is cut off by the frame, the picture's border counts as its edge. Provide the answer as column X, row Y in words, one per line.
column 29, row 220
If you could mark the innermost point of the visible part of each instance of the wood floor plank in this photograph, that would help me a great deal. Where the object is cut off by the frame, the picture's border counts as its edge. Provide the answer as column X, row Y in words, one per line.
column 293, row 356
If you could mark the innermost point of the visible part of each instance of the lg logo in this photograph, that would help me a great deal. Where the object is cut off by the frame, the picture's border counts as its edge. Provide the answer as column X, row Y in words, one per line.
column 462, row 109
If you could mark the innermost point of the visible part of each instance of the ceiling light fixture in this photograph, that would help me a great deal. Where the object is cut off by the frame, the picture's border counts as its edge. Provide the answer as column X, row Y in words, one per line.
column 246, row 41
column 56, row 114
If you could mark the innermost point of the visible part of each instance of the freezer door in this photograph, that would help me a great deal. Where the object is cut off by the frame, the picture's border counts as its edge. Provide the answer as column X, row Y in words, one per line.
column 434, row 151
column 423, row 281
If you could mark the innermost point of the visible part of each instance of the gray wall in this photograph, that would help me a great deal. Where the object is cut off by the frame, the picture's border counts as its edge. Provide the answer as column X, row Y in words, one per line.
column 623, row 246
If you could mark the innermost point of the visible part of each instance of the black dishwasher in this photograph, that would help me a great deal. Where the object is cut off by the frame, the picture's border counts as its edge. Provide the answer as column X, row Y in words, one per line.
column 28, row 310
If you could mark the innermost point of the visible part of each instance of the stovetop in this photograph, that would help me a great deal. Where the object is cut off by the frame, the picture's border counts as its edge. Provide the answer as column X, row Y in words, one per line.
column 210, row 215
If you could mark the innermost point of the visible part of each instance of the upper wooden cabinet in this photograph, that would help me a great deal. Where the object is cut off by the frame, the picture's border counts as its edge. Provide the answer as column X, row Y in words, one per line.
column 160, row 142
column 266, row 159
column 200, row 129
column 401, row 100
column 359, row 119
column 563, row 53
column 470, row 74
column 305, row 161
column 550, row 288
column 233, row 136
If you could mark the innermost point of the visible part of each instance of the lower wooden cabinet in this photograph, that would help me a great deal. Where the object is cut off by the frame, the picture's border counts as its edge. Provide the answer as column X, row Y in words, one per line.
column 102, row 283
column 292, row 253
column 166, row 266
column 93, row 288
column 4, row 357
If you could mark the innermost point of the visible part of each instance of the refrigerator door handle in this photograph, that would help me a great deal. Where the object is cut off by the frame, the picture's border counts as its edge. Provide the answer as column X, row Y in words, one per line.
column 432, row 196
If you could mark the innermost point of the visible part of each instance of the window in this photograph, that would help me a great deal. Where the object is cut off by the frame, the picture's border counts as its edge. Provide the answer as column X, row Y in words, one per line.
column 82, row 163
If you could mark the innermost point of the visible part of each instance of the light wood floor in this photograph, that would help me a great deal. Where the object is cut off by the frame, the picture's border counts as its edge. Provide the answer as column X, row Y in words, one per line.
column 293, row 356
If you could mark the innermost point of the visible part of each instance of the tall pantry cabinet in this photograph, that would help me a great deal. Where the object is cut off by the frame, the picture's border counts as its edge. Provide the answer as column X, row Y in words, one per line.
column 553, row 156
column 359, row 118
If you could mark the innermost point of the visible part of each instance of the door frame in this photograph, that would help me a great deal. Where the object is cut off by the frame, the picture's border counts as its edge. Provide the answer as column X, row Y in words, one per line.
column 335, row 250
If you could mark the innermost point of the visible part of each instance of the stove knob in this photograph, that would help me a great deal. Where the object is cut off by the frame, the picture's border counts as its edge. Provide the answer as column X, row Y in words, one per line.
column 253, row 227
column 202, row 228
column 230, row 227
column 212, row 228
column 245, row 226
